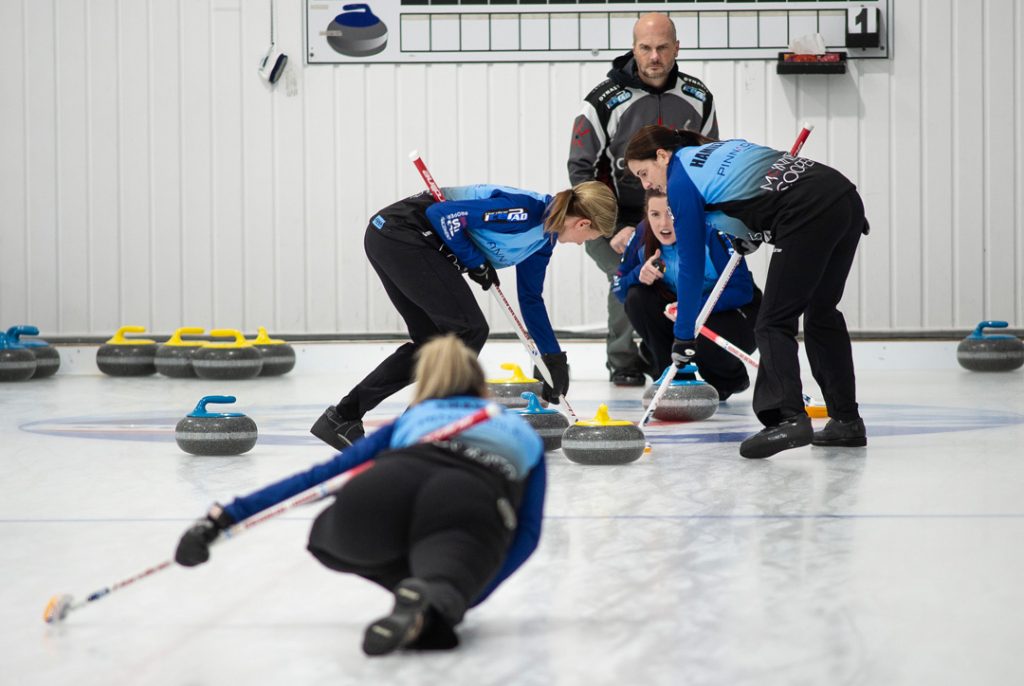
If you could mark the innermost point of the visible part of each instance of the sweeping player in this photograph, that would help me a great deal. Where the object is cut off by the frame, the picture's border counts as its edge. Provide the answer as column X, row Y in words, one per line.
column 646, row 283
column 420, row 247
column 441, row 525
column 814, row 217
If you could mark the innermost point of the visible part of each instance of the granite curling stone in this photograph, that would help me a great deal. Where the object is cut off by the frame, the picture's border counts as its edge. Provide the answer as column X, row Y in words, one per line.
column 990, row 353
column 686, row 400
column 47, row 357
column 174, row 358
column 121, row 356
column 509, row 392
column 17, row 363
column 237, row 359
column 549, row 424
column 603, row 440
column 278, row 356
column 202, row 432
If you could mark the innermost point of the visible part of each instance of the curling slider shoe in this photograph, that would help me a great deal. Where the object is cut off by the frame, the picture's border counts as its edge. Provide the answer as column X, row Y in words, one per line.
column 842, row 434
column 404, row 624
column 792, row 432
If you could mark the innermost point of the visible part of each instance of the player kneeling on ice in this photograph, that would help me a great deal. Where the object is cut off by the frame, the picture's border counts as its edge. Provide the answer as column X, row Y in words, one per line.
column 439, row 524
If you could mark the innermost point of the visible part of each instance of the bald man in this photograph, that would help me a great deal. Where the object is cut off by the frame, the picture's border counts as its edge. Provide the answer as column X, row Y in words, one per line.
column 643, row 87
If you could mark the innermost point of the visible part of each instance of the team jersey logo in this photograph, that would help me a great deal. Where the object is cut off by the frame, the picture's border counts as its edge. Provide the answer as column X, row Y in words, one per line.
column 513, row 214
column 618, row 99
column 378, row 221
column 695, row 92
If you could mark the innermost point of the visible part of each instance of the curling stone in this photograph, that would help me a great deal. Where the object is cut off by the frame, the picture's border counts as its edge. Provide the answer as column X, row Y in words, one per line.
column 509, row 392
column 215, row 433
column 358, row 32
column 174, row 358
column 123, row 357
column 17, row 363
column 549, row 424
column 991, row 353
column 603, row 440
column 47, row 357
column 278, row 356
column 237, row 359
column 686, row 400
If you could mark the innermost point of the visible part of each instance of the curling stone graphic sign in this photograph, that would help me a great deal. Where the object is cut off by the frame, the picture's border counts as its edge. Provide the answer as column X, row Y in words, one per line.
column 340, row 32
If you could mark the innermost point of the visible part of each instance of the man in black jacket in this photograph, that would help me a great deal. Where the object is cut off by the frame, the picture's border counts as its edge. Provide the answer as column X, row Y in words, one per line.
column 643, row 87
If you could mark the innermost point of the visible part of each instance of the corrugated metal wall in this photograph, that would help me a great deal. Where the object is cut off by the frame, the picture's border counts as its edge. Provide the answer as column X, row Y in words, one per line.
column 148, row 177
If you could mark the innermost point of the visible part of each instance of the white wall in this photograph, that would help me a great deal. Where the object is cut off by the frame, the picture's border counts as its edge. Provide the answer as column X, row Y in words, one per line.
column 148, row 177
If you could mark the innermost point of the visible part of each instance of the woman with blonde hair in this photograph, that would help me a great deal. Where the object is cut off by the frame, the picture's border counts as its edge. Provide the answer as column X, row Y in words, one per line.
column 440, row 524
column 420, row 248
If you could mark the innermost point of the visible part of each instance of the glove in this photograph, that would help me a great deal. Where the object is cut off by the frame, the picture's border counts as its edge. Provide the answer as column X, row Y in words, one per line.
column 194, row 546
column 558, row 365
column 744, row 246
column 485, row 275
column 682, row 351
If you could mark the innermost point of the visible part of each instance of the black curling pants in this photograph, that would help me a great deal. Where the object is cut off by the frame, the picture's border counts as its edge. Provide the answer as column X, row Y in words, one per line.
column 430, row 295
column 418, row 513
column 646, row 309
column 810, row 262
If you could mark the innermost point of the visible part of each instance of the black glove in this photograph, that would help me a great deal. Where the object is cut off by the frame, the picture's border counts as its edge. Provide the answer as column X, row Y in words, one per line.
column 485, row 275
column 558, row 365
column 194, row 546
column 744, row 246
column 682, row 351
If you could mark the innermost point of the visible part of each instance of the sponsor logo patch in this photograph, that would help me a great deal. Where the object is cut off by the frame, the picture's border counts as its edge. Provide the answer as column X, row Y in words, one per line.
column 618, row 99
column 695, row 92
column 513, row 214
column 378, row 221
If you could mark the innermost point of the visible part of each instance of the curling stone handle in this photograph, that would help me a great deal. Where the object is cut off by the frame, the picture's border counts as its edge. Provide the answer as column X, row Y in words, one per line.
column 533, row 405
column 230, row 333
column 185, row 331
column 212, row 399
column 358, row 6
column 988, row 324
column 16, row 332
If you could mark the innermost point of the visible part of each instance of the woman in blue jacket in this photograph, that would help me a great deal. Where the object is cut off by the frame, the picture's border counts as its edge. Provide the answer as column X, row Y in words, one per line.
column 646, row 284
column 420, row 248
column 814, row 218
column 440, row 525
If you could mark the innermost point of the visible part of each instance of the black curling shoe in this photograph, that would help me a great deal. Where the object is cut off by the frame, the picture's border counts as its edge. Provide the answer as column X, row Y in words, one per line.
column 405, row 623
column 337, row 432
column 792, row 432
column 840, row 434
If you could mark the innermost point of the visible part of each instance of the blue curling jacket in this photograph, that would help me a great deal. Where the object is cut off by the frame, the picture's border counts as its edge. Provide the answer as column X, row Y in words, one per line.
column 742, row 189
column 503, row 226
column 507, row 435
column 718, row 249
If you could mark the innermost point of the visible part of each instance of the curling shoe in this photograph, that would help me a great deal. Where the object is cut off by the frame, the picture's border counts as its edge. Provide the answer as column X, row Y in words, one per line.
column 792, row 432
column 405, row 623
column 337, row 432
column 842, row 434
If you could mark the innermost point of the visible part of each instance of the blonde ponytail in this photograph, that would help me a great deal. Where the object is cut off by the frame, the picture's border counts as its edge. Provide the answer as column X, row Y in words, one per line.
column 445, row 367
column 591, row 200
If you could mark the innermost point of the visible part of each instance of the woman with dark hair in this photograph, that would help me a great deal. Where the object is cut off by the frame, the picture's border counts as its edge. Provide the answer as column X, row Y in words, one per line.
column 440, row 525
column 814, row 217
column 646, row 284
column 420, row 249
